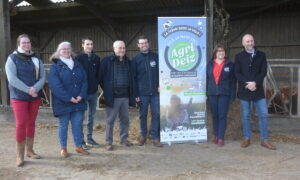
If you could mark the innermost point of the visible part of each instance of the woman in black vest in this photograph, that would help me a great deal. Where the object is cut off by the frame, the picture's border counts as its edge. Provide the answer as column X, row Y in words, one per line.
column 26, row 76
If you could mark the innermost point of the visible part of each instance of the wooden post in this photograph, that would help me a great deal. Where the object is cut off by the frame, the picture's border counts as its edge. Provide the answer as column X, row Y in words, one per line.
column 209, row 13
column 4, row 46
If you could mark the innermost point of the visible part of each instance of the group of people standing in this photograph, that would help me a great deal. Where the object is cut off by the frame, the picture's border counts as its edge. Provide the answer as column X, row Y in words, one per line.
column 74, row 80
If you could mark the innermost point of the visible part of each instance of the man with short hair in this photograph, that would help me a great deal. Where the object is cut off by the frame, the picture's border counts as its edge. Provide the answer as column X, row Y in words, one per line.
column 250, row 70
column 91, row 64
column 145, row 70
column 116, row 80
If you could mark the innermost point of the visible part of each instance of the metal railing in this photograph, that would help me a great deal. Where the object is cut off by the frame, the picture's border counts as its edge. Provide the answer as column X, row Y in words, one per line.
column 292, row 66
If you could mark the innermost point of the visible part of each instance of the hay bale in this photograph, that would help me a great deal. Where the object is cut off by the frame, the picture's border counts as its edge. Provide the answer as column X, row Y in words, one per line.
column 234, row 123
column 134, row 129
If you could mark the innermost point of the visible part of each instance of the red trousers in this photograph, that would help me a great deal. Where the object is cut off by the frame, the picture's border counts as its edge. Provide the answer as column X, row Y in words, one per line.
column 25, row 114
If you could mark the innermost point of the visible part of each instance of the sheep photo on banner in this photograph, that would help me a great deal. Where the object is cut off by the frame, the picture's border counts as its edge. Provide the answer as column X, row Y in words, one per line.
column 182, row 74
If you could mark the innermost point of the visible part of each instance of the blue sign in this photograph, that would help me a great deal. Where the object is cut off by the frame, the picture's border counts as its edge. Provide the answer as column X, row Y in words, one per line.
column 182, row 66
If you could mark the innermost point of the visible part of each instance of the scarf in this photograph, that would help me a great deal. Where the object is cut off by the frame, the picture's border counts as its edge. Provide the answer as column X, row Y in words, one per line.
column 68, row 61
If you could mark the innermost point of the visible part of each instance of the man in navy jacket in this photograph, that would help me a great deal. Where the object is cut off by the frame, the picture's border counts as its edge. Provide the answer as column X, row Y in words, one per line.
column 145, row 70
column 91, row 64
column 116, row 81
column 250, row 70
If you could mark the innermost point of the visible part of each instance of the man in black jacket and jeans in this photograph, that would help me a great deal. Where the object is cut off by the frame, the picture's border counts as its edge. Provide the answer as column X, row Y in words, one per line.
column 145, row 70
column 250, row 70
column 91, row 64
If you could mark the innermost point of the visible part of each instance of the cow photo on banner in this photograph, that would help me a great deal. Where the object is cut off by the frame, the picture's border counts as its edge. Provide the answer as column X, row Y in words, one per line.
column 182, row 76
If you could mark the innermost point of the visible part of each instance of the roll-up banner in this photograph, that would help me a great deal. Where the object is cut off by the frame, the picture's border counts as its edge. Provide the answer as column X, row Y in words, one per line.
column 182, row 79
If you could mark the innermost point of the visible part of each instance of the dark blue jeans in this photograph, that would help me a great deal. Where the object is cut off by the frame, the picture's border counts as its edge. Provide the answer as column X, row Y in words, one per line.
column 219, row 107
column 92, row 105
column 153, row 100
column 76, row 121
column 262, row 110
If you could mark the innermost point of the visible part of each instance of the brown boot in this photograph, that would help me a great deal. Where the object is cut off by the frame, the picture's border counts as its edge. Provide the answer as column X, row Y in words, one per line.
column 267, row 145
column 141, row 141
column 20, row 153
column 156, row 143
column 245, row 143
column 80, row 150
column 109, row 147
column 29, row 148
column 126, row 143
column 64, row 152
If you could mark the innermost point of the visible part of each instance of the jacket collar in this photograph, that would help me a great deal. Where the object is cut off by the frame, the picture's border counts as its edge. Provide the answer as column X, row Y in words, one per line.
column 82, row 53
column 226, row 61
column 114, row 57
column 255, row 51
column 144, row 54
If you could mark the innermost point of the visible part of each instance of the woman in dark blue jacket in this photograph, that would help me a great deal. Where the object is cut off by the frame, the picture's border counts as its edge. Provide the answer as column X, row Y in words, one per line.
column 221, row 90
column 68, row 84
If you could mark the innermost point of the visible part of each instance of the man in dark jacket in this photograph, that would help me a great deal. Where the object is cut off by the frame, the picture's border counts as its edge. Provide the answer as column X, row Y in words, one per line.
column 91, row 64
column 116, row 81
column 250, row 70
column 145, row 70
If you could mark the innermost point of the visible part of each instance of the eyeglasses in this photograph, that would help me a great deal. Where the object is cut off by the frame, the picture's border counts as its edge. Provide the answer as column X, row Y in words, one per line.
column 66, row 49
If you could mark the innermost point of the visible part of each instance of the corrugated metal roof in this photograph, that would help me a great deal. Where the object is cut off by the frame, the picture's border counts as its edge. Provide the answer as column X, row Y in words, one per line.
column 23, row 4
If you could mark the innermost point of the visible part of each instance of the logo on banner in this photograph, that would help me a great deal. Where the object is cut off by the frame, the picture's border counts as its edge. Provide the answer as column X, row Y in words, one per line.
column 181, row 54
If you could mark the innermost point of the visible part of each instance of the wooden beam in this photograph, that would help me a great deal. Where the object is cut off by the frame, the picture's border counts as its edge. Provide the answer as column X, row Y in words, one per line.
column 4, row 47
column 39, row 3
column 53, row 19
column 281, row 45
column 117, row 1
column 48, row 41
column 259, row 10
column 138, row 14
column 166, row 11
column 100, row 14
column 242, row 31
column 33, row 33
column 131, row 38
column 105, row 31
column 229, row 5
column 209, row 13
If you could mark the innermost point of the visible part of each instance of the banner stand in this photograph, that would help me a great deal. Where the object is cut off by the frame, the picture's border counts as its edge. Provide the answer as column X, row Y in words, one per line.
column 182, row 79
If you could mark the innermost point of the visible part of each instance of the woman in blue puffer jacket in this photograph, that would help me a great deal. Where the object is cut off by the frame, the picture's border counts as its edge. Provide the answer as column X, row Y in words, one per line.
column 68, row 84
